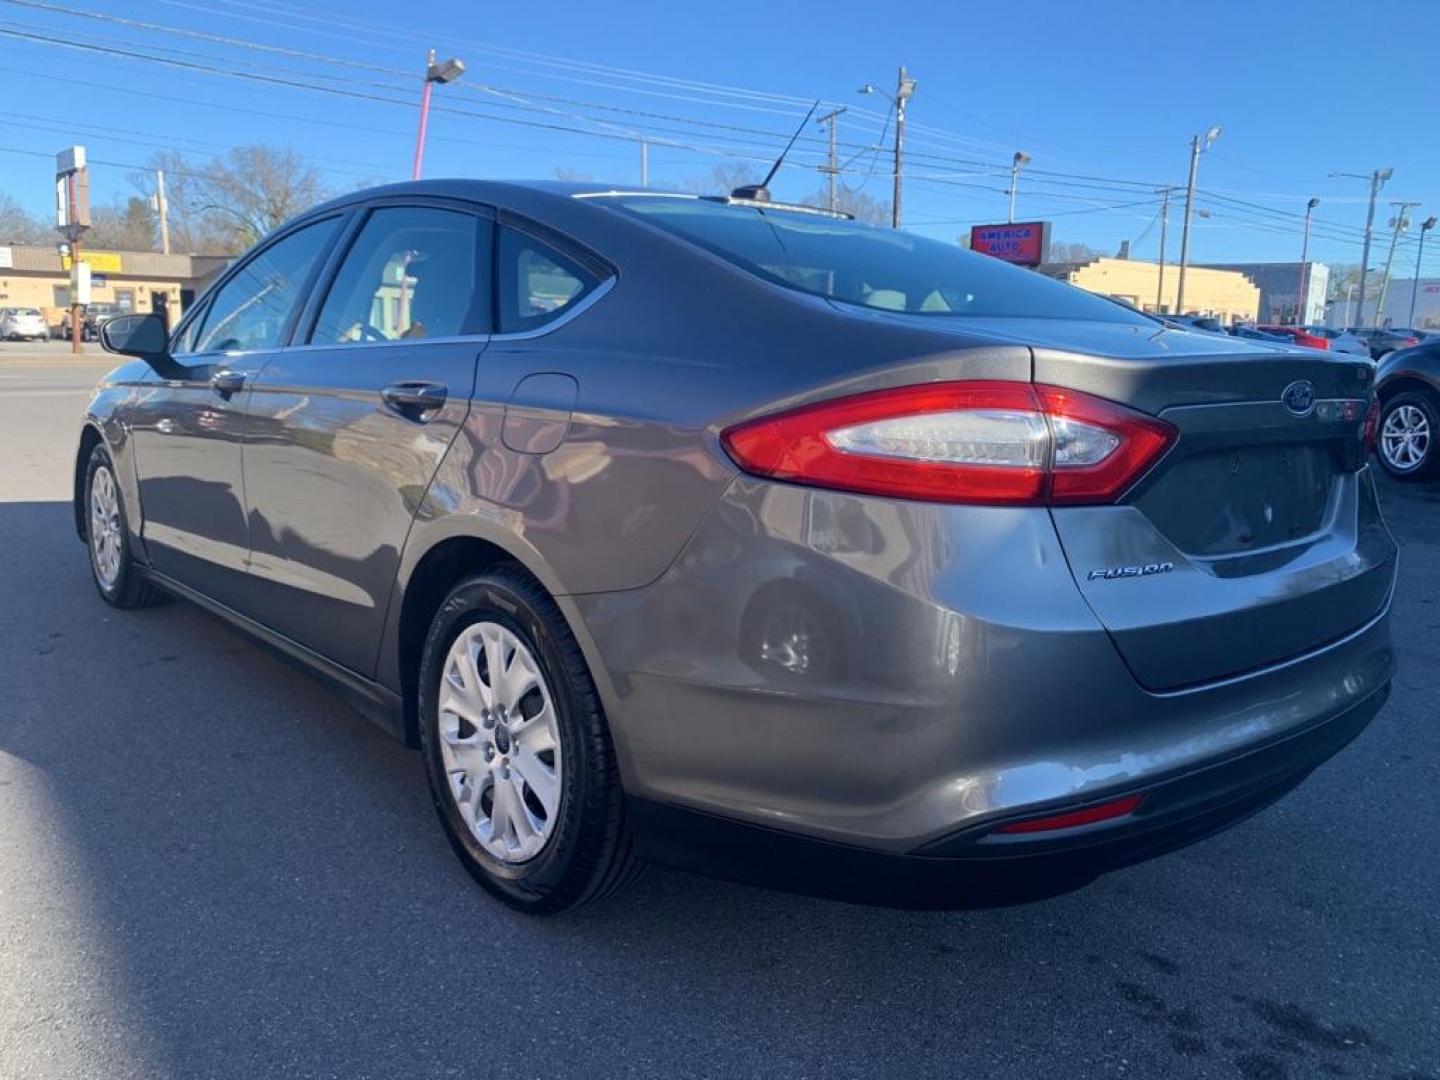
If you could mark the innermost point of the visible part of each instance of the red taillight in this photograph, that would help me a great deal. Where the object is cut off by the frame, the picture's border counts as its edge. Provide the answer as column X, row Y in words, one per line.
column 1410, row 343
column 1372, row 426
column 986, row 442
column 1087, row 816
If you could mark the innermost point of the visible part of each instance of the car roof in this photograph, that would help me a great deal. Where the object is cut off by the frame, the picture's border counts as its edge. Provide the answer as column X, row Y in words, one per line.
column 528, row 193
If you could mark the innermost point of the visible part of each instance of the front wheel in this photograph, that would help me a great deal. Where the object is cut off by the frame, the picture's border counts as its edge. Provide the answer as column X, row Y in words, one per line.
column 1405, row 443
column 120, row 580
column 518, row 755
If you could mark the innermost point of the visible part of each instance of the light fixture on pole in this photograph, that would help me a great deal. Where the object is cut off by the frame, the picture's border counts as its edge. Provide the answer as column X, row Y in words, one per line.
column 1377, row 181
column 445, row 71
column 1198, row 146
column 1425, row 227
column 904, row 91
column 1020, row 160
column 1301, row 299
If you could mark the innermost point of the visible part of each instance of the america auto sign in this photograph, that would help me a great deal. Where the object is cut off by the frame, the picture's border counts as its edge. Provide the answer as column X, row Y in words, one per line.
column 1022, row 242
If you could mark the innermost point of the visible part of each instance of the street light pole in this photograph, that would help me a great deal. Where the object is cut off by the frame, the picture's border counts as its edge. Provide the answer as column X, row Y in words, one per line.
column 1021, row 158
column 445, row 72
column 1401, row 223
column 1198, row 146
column 1164, row 228
column 904, row 91
column 1301, row 299
column 1425, row 227
column 1377, row 181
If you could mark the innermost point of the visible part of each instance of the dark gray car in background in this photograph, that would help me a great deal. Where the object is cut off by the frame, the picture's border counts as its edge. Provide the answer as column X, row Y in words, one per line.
column 756, row 540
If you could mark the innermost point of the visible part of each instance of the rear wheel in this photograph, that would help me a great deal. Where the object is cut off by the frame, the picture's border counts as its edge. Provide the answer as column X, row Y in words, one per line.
column 517, row 752
column 120, row 580
column 1409, row 426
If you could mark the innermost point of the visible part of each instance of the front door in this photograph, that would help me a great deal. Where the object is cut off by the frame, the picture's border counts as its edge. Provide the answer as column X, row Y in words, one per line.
column 348, row 428
column 188, row 429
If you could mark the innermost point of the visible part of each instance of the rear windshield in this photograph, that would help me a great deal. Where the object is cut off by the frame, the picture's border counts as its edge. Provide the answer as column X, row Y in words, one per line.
column 867, row 265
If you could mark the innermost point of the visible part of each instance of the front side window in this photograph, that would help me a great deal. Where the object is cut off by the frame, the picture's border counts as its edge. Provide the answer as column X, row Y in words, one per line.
column 252, row 308
column 866, row 265
column 537, row 281
column 412, row 272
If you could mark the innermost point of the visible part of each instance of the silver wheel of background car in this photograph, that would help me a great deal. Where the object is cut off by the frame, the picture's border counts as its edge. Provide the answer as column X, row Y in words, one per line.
column 1405, row 438
column 500, row 742
column 106, row 548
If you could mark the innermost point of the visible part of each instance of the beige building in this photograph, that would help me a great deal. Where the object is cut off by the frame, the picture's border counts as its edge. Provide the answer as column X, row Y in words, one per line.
column 1228, row 295
column 138, row 281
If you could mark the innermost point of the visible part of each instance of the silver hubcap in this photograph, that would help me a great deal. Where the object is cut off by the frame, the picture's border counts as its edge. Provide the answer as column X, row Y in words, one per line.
column 1405, row 438
column 499, row 742
column 105, row 527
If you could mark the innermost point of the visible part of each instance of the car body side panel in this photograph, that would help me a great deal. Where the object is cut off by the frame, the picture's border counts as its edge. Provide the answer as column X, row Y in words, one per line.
column 885, row 673
column 108, row 411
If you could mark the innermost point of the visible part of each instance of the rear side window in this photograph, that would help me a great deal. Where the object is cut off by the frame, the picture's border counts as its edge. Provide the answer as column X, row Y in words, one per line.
column 867, row 265
column 536, row 282
column 412, row 272
column 252, row 308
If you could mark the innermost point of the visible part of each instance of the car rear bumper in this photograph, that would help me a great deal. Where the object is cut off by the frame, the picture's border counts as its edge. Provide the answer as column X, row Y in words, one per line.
column 892, row 676
column 978, row 866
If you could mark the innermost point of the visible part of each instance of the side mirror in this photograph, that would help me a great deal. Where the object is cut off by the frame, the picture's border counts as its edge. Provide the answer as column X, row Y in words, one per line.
column 145, row 336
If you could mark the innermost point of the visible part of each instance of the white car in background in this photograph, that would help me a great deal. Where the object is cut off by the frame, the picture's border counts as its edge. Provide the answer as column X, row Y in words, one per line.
column 21, row 323
column 1341, row 341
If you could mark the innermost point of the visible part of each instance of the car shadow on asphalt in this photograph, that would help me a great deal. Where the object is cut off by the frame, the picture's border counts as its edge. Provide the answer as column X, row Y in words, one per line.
column 268, row 892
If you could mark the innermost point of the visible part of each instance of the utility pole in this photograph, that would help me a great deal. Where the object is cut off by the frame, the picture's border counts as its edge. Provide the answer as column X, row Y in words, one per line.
column 162, row 211
column 904, row 91
column 1425, row 227
column 1377, row 181
column 1197, row 147
column 1021, row 158
column 1164, row 226
column 832, row 161
column 1401, row 223
column 1300, row 296
column 644, row 164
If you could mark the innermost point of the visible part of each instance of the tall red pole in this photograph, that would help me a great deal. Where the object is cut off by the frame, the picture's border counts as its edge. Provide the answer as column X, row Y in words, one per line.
column 424, row 121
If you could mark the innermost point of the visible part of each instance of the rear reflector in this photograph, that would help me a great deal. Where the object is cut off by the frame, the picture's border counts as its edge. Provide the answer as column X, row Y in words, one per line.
column 1088, row 816
column 987, row 442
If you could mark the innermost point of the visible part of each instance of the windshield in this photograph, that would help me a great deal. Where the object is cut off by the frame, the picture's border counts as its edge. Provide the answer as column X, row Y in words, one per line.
column 862, row 264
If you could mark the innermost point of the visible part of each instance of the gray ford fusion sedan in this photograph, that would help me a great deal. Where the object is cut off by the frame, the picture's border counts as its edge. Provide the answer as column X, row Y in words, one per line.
column 752, row 539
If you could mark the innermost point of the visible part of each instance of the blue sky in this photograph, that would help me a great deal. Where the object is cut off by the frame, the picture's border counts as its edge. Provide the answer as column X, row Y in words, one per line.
column 1104, row 96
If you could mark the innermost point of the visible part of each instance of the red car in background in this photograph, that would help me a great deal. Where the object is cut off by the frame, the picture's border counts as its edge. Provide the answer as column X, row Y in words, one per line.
column 1299, row 335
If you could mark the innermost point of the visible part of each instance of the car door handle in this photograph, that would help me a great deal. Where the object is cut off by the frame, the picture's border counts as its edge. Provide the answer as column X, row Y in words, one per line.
column 415, row 399
column 226, row 382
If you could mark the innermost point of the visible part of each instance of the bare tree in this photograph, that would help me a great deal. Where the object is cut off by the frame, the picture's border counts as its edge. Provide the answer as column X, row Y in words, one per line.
column 723, row 179
column 858, row 204
column 228, row 203
column 19, row 226
column 1072, row 253
column 572, row 175
column 128, row 226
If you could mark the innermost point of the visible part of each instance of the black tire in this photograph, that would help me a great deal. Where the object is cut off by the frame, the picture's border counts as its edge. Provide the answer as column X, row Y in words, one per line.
column 1428, row 466
column 588, row 854
column 130, row 587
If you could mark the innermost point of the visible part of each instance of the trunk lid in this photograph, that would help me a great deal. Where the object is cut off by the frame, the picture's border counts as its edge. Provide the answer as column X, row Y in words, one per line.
column 1258, row 536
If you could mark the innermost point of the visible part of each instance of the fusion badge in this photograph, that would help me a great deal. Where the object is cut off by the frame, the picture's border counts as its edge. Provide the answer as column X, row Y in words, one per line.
column 1111, row 573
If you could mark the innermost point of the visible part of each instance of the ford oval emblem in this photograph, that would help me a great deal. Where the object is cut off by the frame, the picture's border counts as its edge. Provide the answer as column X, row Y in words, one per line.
column 1299, row 397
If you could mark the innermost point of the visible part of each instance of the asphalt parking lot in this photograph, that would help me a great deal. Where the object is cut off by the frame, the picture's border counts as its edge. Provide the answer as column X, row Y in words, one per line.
column 209, row 866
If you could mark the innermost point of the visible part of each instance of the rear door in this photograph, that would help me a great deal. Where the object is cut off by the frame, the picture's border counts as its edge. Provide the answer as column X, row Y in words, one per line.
column 348, row 425
column 1257, row 537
